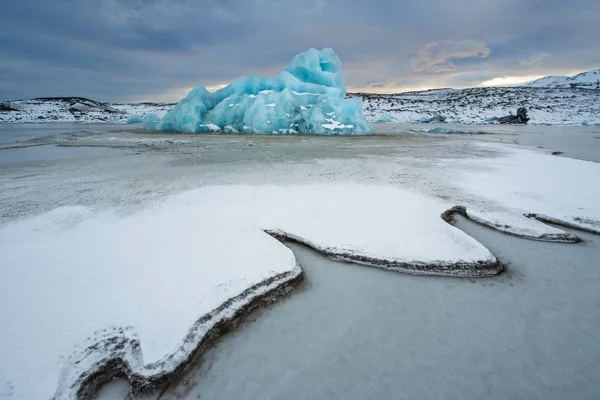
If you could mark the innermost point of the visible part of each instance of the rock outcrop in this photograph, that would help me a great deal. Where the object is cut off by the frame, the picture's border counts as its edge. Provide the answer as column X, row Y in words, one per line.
column 520, row 118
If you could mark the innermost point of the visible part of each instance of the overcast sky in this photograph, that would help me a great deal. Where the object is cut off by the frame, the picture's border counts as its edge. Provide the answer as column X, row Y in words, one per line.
column 134, row 50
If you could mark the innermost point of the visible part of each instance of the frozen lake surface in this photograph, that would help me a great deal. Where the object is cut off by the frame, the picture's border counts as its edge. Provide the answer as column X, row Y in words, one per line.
column 351, row 331
column 356, row 333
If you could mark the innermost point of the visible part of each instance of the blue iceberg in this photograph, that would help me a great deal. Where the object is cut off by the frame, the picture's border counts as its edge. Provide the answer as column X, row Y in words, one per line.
column 134, row 119
column 307, row 97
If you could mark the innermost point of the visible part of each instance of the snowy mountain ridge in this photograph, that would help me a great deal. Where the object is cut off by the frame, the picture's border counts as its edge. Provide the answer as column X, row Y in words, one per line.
column 584, row 80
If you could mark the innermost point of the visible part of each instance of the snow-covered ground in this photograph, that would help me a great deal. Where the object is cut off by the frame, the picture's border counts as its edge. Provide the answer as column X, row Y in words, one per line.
column 74, row 109
column 144, row 243
column 478, row 105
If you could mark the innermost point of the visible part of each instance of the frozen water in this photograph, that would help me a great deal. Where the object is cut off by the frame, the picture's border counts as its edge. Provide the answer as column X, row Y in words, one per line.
column 308, row 97
column 420, row 311
column 357, row 333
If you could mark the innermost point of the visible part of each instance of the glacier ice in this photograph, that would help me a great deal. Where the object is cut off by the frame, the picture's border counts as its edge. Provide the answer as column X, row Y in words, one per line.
column 307, row 97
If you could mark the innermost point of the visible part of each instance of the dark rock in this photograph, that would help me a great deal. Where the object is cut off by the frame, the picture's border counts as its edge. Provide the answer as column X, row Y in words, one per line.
column 520, row 118
column 6, row 107
column 435, row 119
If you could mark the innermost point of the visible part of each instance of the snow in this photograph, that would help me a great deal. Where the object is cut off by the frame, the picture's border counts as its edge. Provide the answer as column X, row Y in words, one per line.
column 267, row 105
column 519, row 225
column 584, row 80
column 529, row 182
column 74, row 109
column 78, row 274
column 386, row 223
column 75, row 276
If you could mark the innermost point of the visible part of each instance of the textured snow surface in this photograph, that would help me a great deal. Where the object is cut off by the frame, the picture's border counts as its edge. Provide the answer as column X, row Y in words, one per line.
column 71, row 273
column 308, row 96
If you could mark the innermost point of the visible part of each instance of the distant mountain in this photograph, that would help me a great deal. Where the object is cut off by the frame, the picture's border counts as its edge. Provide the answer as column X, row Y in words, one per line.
column 584, row 80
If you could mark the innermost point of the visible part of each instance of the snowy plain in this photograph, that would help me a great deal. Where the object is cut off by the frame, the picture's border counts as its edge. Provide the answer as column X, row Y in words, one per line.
column 372, row 197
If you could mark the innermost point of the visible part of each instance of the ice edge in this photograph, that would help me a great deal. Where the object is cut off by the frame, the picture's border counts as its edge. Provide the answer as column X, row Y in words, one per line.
column 580, row 224
column 563, row 237
column 475, row 269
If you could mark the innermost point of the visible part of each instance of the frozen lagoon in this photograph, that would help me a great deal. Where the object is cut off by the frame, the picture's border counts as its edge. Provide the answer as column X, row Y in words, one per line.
column 355, row 333
column 158, row 166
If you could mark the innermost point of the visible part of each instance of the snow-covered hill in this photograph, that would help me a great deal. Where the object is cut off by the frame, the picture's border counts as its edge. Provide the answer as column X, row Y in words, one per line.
column 72, row 109
column 479, row 105
column 584, row 80
column 555, row 106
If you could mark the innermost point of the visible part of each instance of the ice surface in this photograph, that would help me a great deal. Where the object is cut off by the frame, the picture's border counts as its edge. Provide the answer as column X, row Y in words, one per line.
column 353, row 333
column 307, row 97
column 70, row 273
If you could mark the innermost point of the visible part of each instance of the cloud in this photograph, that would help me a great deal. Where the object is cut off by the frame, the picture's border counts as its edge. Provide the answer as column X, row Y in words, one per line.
column 435, row 57
column 381, row 85
column 124, row 50
column 535, row 60
column 510, row 80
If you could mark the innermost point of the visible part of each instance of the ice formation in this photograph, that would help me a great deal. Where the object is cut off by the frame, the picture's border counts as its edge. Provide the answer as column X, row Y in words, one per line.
column 134, row 119
column 307, row 97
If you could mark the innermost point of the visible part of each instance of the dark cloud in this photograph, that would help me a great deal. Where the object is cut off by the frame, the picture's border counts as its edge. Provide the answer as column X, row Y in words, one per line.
column 122, row 50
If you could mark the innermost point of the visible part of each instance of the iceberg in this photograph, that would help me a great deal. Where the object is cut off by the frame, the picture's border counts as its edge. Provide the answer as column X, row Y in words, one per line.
column 134, row 119
column 307, row 97
column 386, row 118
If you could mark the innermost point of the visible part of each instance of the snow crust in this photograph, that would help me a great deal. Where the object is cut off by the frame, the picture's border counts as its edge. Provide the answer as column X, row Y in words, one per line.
column 308, row 96
column 73, row 277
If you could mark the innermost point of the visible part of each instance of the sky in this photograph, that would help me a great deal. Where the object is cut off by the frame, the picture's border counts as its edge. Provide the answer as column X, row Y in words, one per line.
column 157, row 50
